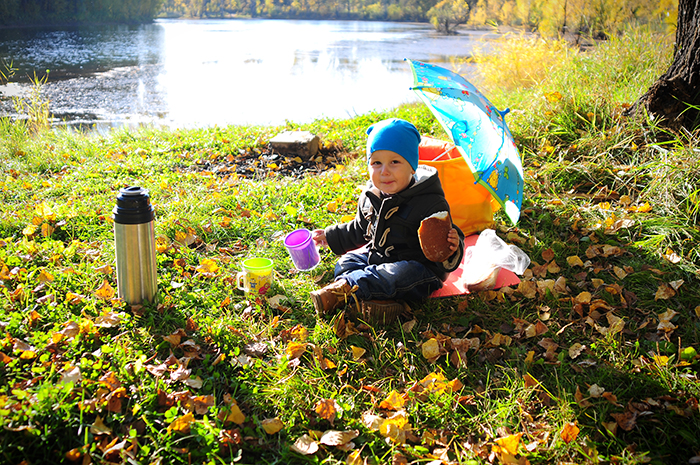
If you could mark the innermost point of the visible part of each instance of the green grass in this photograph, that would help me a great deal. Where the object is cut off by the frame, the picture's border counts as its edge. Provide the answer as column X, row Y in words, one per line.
column 84, row 375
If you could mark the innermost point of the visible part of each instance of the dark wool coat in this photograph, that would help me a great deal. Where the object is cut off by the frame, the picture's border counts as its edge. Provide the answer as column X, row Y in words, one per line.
column 389, row 225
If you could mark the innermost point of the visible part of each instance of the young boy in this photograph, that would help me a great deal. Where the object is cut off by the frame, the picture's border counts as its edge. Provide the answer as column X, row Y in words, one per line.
column 398, row 197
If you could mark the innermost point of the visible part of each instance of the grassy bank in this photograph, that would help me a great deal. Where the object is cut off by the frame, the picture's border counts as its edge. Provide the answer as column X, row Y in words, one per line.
column 591, row 359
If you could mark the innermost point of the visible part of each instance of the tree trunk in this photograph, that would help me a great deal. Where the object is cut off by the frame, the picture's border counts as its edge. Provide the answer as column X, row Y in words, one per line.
column 675, row 96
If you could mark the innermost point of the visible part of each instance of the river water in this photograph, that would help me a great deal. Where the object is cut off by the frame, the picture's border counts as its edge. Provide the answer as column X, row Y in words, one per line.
column 189, row 73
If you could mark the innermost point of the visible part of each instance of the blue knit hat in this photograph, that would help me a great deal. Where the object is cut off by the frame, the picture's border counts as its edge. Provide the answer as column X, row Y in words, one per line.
column 396, row 135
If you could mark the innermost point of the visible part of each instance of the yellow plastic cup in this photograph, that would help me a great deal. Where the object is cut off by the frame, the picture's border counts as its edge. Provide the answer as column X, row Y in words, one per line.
column 256, row 277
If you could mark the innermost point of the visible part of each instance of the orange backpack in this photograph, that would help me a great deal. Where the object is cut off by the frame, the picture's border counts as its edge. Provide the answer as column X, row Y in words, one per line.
column 471, row 205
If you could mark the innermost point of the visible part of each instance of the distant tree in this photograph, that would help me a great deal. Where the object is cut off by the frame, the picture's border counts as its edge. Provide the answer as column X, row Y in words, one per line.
column 448, row 14
column 675, row 96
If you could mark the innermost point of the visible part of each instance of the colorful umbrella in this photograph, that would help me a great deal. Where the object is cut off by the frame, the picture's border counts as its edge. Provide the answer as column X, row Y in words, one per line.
column 478, row 130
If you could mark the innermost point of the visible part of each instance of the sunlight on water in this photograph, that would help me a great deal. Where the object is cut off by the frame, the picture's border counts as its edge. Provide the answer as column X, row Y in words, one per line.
column 254, row 74
column 216, row 72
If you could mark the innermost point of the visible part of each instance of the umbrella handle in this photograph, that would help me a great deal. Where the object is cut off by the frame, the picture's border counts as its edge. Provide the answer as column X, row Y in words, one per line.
column 443, row 153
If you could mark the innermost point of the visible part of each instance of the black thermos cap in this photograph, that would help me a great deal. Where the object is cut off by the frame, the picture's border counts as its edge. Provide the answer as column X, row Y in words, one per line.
column 133, row 206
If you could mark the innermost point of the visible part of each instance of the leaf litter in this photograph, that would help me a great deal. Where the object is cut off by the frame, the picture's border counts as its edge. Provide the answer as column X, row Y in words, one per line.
column 575, row 307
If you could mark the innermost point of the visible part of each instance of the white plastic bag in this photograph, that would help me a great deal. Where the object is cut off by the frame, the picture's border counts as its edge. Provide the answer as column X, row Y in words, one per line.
column 485, row 258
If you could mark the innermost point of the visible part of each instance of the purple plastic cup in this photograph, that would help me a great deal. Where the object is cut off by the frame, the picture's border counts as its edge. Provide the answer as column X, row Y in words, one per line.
column 302, row 249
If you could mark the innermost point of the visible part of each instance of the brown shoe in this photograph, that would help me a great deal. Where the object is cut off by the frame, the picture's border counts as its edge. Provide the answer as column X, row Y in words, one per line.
column 380, row 312
column 334, row 295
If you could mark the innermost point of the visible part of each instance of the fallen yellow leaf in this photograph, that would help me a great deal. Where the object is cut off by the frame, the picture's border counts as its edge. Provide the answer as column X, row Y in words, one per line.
column 395, row 427
column 203, row 403
column 431, row 348
column 74, row 454
column 672, row 256
column 186, row 238
column 207, row 265
column 644, row 208
column 45, row 212
column 34, row 316
column 354, row 458
column 47, row 230
column 27, row 355
column 109, row 319
column 295, row 349
column 665, row 321
column 45, row 277
column 30, row 230
column 569, row 432
column 574, row 260
column 74, row 299
column 174, row 338
column 326, row 364
column 553, row 268
column 576, row 349
column 510, row 443
column 272, row 425
column 299, row 332
column 619, row 272
column 305, row 445
column 664, row 292
column 372, row 421
column 99, row 427
column 357, row 352
column 554, row 96
column 501, row 340
column 338, row 438
column 327, row 409
column 530, row 358
column 454, row 385
column 433, row 378
column 235, row 415
column 394, row 401
column 105, row 291
column 104, row 269
column 583, row 298
column 528, row 289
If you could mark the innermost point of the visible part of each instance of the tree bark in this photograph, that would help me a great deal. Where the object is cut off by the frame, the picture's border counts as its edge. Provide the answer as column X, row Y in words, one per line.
column 675, row 96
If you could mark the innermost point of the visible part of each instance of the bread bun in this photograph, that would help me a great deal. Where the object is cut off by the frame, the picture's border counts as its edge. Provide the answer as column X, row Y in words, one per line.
column 432, row 234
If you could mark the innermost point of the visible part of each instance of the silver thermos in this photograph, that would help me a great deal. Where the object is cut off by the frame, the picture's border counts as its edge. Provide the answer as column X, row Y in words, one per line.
column 135, row 246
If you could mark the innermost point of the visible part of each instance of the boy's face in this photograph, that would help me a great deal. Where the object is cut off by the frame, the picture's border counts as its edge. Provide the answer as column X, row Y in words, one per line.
column 389, row 171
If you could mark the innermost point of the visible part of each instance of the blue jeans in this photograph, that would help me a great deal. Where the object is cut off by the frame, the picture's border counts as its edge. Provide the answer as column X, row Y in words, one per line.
column 409, row 280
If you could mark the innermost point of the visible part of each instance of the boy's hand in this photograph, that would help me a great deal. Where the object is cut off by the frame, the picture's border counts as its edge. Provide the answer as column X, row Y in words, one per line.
column 319, row 237
column 453, row 239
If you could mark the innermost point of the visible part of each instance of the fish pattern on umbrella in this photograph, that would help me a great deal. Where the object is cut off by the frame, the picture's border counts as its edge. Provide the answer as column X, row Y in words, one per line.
column 478, row 130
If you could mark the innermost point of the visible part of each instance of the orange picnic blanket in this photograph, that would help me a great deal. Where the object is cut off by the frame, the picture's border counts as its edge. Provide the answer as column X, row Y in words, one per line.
column 454, row 285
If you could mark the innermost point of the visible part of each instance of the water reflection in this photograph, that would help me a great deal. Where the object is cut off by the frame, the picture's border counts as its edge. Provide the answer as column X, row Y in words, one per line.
column 189, row 73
